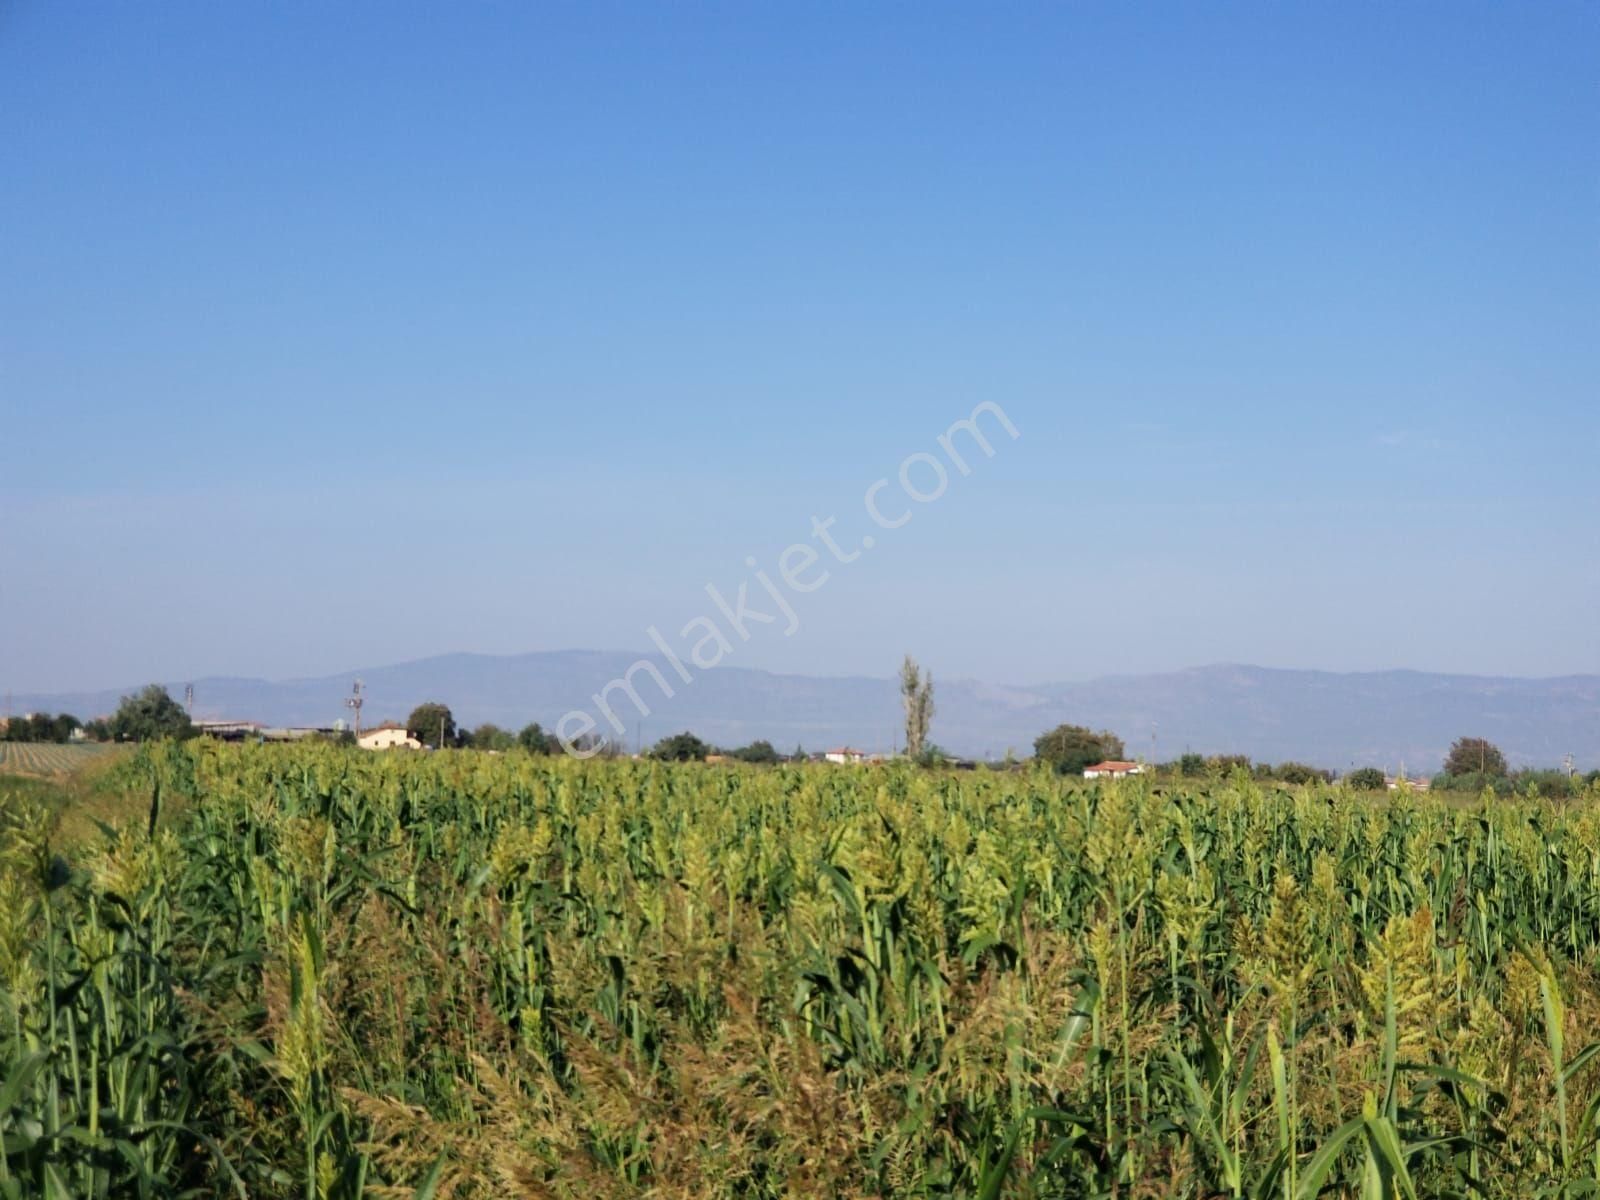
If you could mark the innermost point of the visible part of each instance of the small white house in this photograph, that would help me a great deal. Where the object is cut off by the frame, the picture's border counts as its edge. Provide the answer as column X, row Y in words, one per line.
column 1112, row 770
column 845, row 754
column 388, row 736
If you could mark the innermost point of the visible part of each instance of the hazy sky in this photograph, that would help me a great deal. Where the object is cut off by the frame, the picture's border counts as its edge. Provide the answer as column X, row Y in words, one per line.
column 334, row 335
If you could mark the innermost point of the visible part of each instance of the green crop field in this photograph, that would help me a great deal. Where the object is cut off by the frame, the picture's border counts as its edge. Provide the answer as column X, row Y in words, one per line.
column 40, row 758
column 336, row 974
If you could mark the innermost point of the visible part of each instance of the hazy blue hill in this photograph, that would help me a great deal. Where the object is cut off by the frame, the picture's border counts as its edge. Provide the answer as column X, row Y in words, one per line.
column 1379, row 718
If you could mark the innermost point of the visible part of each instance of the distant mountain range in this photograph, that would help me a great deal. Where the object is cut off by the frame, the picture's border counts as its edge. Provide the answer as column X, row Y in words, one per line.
column 1383, row 718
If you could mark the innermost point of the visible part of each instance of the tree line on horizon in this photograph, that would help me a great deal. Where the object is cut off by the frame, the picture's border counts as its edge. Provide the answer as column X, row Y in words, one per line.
column 148, row 715
column 1472, row 764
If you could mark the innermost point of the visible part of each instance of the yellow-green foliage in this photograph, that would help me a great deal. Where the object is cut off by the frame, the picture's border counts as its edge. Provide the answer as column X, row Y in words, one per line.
column 339, row 974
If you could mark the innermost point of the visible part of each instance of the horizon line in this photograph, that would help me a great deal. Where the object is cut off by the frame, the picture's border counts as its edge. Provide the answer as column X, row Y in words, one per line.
column 656, row 655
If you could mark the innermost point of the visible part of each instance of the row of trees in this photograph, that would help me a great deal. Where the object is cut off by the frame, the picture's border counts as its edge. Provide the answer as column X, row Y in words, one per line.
column 1195, row 766
column 686, row 747
column 433, row 724
column 41, row 727
column 1475, row 763
column 1472, row 764
column 146, row 716
column 1071, row 748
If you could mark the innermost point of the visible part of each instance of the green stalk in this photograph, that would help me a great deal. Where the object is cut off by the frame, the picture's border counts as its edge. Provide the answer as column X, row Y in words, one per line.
column 1554, row 1023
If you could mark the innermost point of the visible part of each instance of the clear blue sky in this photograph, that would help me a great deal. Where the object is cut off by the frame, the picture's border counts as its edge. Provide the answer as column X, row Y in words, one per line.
column 334, row 335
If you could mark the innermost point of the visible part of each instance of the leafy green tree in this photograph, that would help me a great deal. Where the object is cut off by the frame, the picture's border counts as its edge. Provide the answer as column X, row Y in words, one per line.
column 1191, row 765
column 680, row 747
column 489, row 736
column 432, row 724
column 41, row 728
column 98, row 730
column 760, row 751
column 1071, row 748
column 535, row 740
column 150, row 715
column 64, row 726
column 916, row 697
column 1366, row 779
column 1474, row 756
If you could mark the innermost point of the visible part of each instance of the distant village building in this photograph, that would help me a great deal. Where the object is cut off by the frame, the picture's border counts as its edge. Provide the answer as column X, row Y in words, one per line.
column 388, row 736
column 1395, row 782
column 254, row 731
column 228, row 731
column 1112, row 770
column 845, row 754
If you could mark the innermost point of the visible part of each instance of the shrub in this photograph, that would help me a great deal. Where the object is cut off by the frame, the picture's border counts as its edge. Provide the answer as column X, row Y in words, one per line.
column 680, row 747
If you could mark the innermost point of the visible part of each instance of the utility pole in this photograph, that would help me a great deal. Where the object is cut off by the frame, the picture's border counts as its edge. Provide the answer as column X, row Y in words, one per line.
column 354, row 704
column 188, row 699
